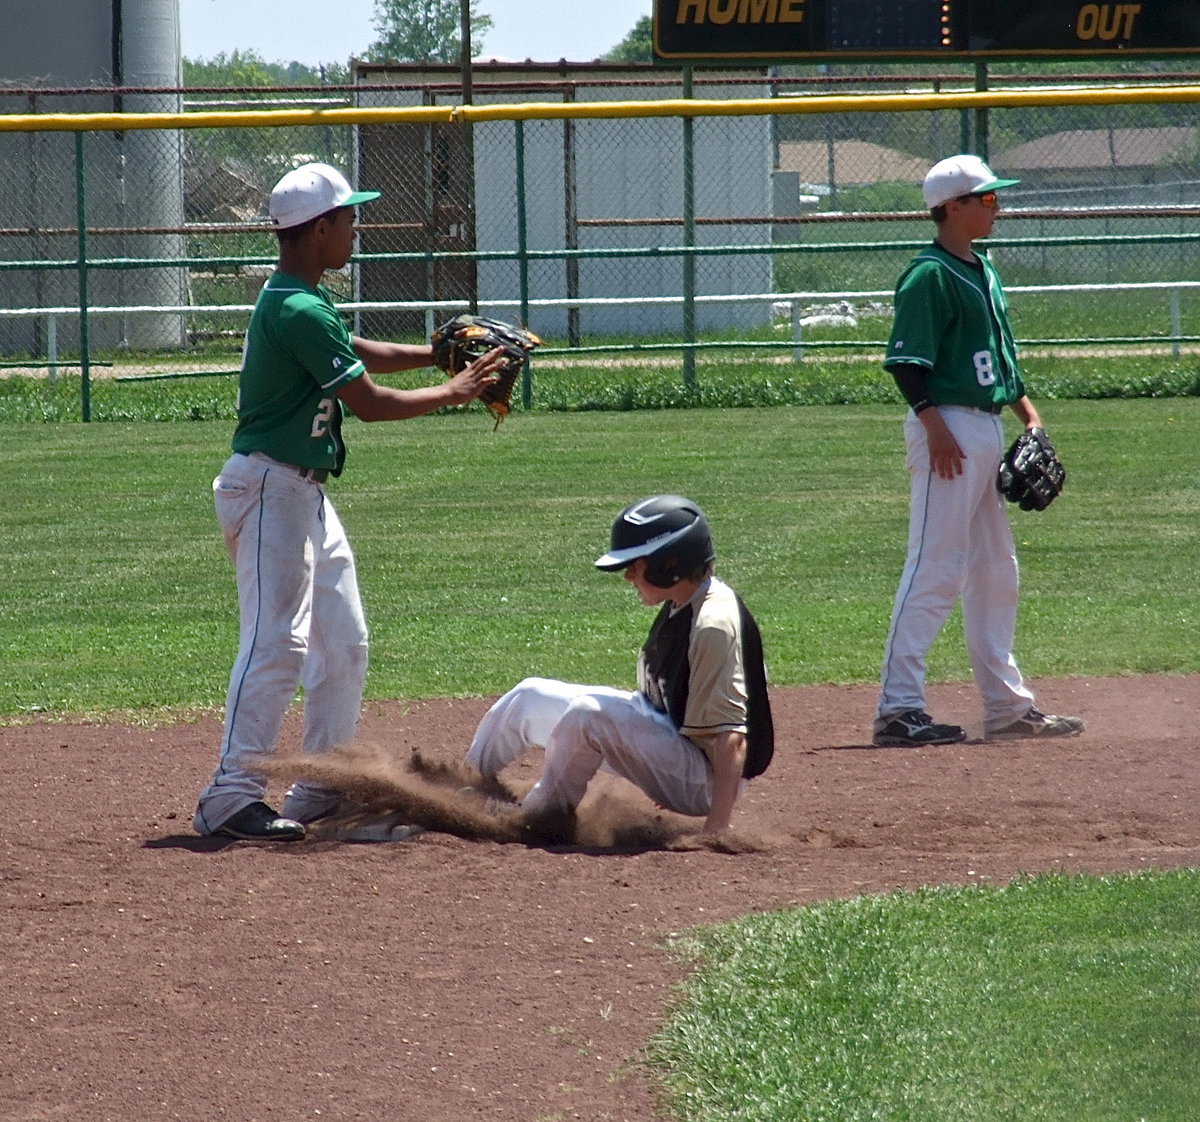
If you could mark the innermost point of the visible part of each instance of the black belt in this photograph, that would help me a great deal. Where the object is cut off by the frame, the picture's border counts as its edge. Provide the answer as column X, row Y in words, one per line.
column 313, row 475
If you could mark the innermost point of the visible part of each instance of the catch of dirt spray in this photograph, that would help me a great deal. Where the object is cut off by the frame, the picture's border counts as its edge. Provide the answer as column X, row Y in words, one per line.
column 458, row 800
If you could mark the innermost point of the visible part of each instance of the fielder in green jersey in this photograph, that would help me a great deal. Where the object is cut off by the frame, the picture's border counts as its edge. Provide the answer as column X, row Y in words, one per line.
column 954, row 360
column 302, row 621
column 283, row 410
column 952, row 321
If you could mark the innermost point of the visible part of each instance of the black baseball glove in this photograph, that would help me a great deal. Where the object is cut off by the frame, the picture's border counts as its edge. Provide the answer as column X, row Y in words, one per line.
column 460, row 341
column 1031, row 473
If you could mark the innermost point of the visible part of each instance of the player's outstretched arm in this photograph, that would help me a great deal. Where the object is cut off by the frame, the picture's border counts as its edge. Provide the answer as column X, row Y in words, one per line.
column 373, row 402
column 388, row 358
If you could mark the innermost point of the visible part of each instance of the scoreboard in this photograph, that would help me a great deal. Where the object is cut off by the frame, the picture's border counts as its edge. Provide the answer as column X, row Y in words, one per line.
column 776, row 30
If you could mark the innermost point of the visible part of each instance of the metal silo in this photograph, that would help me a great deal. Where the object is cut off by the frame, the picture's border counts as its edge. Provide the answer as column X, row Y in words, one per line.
column 65, row 56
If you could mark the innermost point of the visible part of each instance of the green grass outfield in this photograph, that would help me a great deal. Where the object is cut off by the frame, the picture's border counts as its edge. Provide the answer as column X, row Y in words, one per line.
column 475, row 548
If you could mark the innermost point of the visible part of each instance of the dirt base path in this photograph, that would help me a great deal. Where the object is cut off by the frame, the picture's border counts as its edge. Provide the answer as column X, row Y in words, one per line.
column 149, row 974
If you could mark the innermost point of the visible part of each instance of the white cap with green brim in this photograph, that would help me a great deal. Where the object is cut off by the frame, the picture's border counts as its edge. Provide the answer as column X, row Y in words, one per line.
column 960, row 175
column 309, row 191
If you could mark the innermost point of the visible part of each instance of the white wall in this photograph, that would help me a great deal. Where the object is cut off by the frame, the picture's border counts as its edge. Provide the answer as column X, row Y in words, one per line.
column 624, row 168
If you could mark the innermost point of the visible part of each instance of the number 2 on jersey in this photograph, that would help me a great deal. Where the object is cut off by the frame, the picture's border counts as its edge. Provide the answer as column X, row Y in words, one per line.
column 324, row 415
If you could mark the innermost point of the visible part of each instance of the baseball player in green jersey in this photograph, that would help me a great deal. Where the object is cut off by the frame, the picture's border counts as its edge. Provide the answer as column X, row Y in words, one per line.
column 955, row 362
column 302, row 620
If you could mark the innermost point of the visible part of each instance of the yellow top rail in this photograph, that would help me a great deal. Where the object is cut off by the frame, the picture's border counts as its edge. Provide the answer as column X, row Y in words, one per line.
column 541, row 111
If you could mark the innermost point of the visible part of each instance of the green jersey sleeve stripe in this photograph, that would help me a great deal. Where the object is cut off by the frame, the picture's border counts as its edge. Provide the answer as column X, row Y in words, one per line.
column 917, row 360
column 347, row 375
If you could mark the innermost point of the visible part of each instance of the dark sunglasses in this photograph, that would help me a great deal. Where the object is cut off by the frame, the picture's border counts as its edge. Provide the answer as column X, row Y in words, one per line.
column 986, row 198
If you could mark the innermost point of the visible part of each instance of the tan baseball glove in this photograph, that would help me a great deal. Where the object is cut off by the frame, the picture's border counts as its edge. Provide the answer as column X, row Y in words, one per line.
column 458, row 342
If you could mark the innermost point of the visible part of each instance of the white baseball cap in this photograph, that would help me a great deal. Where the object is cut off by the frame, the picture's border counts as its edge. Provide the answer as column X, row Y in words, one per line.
column 309, row 191
column 960, row 175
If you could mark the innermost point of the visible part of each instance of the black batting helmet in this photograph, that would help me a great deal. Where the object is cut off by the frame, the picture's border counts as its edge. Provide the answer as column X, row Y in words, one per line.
column 669, row 531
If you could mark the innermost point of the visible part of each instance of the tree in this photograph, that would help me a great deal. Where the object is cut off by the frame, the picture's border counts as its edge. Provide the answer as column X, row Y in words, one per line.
column 242, row 68
column 248, row 68
column 637, row 46
column 423, row 30
column 228, row 166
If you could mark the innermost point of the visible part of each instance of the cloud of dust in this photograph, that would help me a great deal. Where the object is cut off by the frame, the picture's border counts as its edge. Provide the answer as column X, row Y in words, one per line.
column 457, row 800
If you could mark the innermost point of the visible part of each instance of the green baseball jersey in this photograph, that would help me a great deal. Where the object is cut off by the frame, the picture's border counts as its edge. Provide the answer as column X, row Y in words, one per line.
column 952, row 319
column 296, row 356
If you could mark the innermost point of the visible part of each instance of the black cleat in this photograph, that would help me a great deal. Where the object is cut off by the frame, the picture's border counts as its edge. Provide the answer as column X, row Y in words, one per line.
column 915, row 729
column 1035, row 724
column 258, row 822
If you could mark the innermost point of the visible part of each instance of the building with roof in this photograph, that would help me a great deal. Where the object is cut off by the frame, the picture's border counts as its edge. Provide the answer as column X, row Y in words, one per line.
column 1105, row 166
column 849, row 163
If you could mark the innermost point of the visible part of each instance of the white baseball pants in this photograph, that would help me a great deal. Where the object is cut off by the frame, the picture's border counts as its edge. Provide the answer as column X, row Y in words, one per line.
column 582, row 729
column 960, row 543
column 302, row 624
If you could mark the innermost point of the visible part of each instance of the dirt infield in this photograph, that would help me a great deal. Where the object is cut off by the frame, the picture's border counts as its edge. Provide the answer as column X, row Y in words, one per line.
column 149, row 974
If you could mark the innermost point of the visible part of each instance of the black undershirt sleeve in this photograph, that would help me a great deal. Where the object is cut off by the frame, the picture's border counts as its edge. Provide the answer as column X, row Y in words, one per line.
column 910, row 380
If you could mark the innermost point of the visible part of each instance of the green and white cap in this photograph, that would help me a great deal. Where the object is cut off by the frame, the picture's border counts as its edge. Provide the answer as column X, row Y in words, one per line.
column 309, row 191
column 960, row 175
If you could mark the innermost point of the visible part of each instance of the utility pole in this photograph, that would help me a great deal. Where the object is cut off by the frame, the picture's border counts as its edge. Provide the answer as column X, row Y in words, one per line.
column 464, row 19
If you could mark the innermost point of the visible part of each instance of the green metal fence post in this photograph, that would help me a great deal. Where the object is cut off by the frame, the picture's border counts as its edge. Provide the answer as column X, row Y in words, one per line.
column 523, row 259
column 689, row 240
column 81, row 222
column 571, row 225
column 1176, row 322
column 981, row 114
column 468, row 96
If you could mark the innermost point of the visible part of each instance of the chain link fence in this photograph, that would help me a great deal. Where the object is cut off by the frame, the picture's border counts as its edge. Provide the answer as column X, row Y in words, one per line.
column 633, row 229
